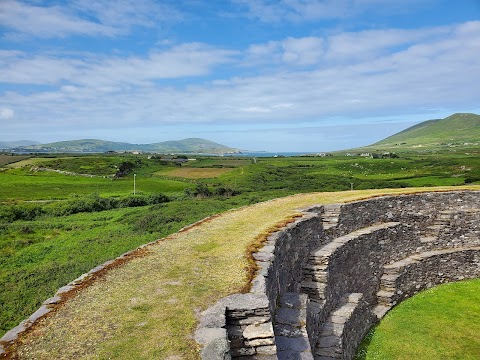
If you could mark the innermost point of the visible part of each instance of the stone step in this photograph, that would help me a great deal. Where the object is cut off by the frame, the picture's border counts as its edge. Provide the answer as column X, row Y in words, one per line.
column 380, row 310
column 329, row 344
column 428, row 239
column 315, row 273
column 314, row 289
column 291, row 336
column 385, row 295
column 331, row 215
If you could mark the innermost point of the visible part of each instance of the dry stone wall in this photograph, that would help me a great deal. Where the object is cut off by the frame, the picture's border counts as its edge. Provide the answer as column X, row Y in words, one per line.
column 327, row 277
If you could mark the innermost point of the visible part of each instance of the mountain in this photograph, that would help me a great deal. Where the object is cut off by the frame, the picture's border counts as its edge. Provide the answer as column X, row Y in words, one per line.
column 462, row 129
column 191, row 145
column 14, row 144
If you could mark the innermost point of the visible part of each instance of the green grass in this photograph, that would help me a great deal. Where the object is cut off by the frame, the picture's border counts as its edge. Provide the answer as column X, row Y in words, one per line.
column 154, row 300
column 440, row 323
column 283, row 175
column 10, row 159
column 37, row 257
column 21, row 184
column 453, row 131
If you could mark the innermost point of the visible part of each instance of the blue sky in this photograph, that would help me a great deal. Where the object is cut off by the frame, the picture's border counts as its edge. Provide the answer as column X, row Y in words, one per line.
column 286, row 75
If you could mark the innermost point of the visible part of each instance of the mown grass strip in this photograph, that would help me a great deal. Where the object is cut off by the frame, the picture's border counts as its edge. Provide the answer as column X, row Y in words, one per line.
column 148, row 308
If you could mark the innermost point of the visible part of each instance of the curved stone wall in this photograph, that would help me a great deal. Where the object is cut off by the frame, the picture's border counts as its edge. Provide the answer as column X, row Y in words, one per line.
column 325, row 279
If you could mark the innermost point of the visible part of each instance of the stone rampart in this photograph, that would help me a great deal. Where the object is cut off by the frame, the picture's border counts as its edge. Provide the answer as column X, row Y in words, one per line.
column 350, row 264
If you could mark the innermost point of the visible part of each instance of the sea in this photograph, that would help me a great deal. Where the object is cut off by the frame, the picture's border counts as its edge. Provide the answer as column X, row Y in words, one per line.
column 267, row 154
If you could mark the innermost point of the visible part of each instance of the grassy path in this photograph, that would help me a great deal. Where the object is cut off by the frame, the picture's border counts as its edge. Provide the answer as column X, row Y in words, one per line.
column 147, row 308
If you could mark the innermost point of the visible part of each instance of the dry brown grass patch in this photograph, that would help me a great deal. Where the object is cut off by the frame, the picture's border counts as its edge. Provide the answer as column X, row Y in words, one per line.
column 196, row 173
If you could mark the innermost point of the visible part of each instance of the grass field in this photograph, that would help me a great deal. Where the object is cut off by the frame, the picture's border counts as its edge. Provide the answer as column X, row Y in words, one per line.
column 9, row 159
column 440, row 323
column 37, row 256
column 154, row 300
column 22, row 184
column 30, row 161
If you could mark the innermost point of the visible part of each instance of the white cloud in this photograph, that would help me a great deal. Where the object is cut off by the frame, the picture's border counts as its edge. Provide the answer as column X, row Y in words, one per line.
column 125, row 13
column 47, row 22
column 6, row 113
column 291, row 51
column 309, row 10
column 82, row 17
column 295, row 10
column 369, row 44
column 346, row 47
column 424, row 69
column 304, row 51
column 185, row 60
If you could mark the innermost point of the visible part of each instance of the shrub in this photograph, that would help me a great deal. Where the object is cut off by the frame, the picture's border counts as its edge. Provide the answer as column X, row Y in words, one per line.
column 9, row 213
column 225, row 191
column 77, row 204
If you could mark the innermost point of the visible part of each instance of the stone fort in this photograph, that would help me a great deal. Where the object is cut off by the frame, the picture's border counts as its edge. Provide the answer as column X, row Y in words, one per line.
column 327, row 278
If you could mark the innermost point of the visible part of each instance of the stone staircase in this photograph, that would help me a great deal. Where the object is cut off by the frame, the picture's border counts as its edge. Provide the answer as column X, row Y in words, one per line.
column 336, row 336
column 330, row 343
column 431, row 232
column 331, row 215
column 290, row 330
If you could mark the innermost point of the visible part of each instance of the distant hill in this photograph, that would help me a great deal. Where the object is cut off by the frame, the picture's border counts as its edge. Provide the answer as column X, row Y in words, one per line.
column 462, row 129
column 14, row 144
column 191, row 145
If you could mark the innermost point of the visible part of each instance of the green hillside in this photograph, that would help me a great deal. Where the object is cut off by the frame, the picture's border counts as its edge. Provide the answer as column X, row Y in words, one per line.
column 460, row 129
column 191, row 145
column 13, row 144
column 83, row 145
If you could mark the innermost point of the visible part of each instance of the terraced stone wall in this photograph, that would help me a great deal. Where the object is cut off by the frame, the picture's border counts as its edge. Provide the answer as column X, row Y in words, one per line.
column 282, row 260
column 418, row 210
column 340, row 268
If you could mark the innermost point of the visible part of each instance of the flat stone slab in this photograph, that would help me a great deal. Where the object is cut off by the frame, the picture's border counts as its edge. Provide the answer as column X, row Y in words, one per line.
column 259, row 331
column 290, row 316
column 291, row 355
column 205, row 335
column 295, row 344
column 288, row 330
column 293, row 300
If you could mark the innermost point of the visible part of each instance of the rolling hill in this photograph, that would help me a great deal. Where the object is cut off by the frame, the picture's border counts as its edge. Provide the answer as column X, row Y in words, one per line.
column 191, row 145
column 14, row 144
column 457, row 130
